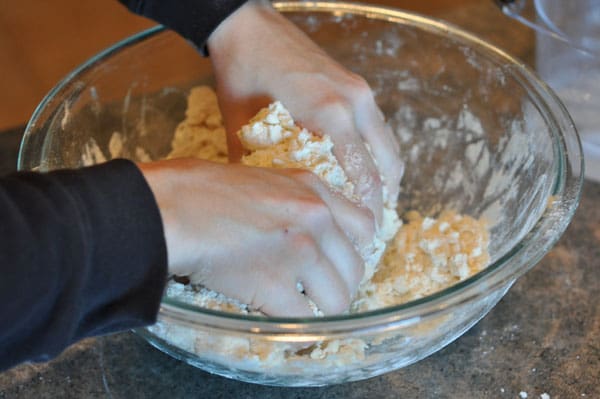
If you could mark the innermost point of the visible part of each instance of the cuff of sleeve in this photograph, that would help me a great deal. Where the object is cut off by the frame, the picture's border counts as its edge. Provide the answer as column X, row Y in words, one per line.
column 194, row 20
column 129, row 254
column 86, row 256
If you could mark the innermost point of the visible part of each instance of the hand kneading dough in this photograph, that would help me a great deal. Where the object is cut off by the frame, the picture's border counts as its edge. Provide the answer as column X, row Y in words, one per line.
column 275, row 141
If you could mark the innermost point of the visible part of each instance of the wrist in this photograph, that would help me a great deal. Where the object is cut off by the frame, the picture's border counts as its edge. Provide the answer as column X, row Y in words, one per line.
column 238, row 25
column 159, row 178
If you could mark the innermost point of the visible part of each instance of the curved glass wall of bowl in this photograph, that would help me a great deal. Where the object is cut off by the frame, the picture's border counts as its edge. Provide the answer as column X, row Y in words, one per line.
column 480, row 134
column 568, row 59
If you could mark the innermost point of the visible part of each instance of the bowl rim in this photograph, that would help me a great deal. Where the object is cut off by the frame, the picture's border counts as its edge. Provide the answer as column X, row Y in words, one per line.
column 566, row 192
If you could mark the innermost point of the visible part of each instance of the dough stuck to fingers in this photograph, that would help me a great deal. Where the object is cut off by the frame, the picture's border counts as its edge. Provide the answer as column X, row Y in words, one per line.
column 272, row 139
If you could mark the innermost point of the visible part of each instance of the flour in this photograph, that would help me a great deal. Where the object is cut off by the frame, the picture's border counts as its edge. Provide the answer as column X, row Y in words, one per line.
column 92, row 154
column 116, row 149
column 422, row 257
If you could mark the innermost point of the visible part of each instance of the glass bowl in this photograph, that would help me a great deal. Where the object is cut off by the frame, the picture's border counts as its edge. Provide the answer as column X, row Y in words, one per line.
column 480, row 134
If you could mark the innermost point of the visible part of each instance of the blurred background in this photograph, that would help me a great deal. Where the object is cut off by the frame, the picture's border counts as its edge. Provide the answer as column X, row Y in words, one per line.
column 42, row 41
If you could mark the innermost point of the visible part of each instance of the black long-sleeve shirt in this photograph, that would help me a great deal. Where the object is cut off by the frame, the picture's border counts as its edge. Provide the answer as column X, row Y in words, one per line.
column 82, row 252
column 193, row 19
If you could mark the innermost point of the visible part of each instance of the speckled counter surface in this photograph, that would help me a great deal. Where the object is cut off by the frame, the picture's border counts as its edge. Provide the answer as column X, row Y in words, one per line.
column 542, row 338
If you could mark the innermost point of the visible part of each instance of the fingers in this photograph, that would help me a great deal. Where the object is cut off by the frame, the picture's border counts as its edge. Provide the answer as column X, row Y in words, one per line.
column 327, row 290
column 344, row 258
column 282, row 227
column 328, row 269
column 332, row 267
column 286, row 301
column 383, row 143
column 361, row 170
column 328, row 263
column 329, row 275
column 356, row 222
column 370, row 124
column 349, row 149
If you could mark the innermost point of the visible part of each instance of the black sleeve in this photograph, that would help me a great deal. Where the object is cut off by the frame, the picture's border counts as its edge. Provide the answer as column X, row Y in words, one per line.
column 82, row 253
column 195, row 20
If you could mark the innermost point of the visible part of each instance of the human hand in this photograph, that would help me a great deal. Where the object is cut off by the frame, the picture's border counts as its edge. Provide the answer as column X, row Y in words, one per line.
column 254, row 233
column 258, row 56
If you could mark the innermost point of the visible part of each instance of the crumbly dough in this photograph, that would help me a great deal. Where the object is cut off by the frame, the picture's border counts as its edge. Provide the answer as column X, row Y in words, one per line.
column 423, row 256
column 201, row 134
column 274, row 140
column 426, row 256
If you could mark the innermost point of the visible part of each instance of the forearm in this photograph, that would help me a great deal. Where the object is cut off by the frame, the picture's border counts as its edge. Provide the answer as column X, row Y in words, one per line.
column 82, row 253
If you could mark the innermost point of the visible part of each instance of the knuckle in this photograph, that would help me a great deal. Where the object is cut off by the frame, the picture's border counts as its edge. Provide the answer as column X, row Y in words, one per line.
column 316, row 213
column 306, row 176
column 309, row 206
column 334, row 106
column 333, row 101
column 358, row 86
column 341, row 99
column 310, row 212
column 306, row 247
column 312, row 183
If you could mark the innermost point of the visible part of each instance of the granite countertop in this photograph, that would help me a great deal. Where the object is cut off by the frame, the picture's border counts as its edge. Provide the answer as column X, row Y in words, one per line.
column 542, row 338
